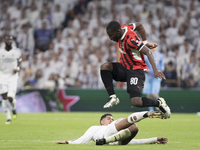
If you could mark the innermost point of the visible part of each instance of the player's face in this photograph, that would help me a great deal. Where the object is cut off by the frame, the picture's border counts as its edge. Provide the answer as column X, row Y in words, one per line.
column 114, row 36
column 8, row 40
column 106, row 121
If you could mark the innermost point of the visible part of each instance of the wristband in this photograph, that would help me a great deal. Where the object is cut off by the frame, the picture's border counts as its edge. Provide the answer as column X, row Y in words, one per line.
column 145, row 42
column 18, row 69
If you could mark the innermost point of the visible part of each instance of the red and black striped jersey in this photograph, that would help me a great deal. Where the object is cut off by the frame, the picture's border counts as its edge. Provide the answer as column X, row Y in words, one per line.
column 130, row 45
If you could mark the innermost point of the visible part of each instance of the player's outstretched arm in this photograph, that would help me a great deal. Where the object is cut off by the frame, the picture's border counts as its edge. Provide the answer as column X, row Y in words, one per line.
column 151, row 45
column 158, row 74
column 65, row 142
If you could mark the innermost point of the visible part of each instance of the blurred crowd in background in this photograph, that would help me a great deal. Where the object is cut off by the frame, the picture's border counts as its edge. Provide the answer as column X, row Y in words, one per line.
column 64, row 42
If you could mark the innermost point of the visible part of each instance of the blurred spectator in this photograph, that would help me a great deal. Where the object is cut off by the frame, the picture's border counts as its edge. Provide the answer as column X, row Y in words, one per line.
column 187, row 72
column 36, row 81
column 25, row 40
column 57, row 17
column 93, row 82
column 43, row 37
column 171, row 76
column 79, row 28
column 195, row 73
column 59, row 82
column 50, row 83
column 32, row 13
column 83, row 78
column 70, row 72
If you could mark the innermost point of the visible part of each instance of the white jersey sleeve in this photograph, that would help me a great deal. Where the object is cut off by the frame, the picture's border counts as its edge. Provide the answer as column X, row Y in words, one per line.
column 87, row 137
column 144, row 141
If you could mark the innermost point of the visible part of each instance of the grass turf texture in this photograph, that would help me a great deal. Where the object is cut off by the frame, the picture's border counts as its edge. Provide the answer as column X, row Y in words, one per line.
column 42, row 130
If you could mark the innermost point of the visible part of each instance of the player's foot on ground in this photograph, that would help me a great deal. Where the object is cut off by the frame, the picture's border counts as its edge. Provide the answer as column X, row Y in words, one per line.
column 14, row 114
column 8, row 121
column 156, row 114
column 112, row 101
column 164, row 108
column 100, row 141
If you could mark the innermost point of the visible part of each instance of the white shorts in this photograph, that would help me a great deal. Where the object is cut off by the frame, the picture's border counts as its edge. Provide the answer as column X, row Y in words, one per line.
column 110, row 130
column 10, row 89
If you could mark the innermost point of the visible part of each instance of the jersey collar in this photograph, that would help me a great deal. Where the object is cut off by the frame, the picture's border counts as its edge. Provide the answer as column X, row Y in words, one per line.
column 124, row 33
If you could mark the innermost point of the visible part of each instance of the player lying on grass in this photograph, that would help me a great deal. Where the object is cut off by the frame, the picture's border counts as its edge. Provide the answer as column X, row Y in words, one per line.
column 121, row 131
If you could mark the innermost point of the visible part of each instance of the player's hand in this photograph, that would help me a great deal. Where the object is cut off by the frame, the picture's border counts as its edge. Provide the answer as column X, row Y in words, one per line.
column 65, row 142
column 162, row 140
column 159, row 74
column 15, row 71
column 151, row 45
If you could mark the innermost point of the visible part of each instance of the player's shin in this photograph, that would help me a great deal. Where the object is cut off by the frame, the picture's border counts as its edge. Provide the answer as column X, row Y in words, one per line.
column 136, row 117
column 6, row 109
column 121, row 135
column 13, row 104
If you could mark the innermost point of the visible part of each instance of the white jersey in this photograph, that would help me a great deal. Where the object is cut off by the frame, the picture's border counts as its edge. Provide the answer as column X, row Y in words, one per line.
column 96, row 132
column 8, row 62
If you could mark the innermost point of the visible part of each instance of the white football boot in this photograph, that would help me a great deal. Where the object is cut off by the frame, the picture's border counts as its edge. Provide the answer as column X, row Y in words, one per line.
column 156, row 114
column 164, row 108
column 113, row 100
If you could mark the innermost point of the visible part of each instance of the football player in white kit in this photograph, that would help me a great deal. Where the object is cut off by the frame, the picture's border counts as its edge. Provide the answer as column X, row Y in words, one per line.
column 10, row 58
column 119, row 132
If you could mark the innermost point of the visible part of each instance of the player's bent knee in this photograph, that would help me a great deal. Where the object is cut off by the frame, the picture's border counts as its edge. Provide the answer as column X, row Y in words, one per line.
column 10, row 99
column 133, row 128
column 136, row 101
column 106, row 66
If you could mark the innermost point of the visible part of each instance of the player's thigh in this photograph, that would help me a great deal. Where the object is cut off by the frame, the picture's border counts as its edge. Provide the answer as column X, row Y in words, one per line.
column 135, row 82
column 12, row 89
column 110, row 129
column 156, row 84
column 3, row 88
column 118, row 73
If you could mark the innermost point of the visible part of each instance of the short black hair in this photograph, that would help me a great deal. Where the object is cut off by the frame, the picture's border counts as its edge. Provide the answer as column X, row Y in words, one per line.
column 104, row 116
column 113, row 25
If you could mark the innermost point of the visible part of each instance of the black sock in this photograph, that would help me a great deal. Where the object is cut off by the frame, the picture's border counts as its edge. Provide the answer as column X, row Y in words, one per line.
column 107, row 79
column 145, row 115
column 149, row 102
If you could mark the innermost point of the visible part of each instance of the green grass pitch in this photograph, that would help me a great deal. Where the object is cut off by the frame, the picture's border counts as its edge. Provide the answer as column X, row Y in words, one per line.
column 40, row 131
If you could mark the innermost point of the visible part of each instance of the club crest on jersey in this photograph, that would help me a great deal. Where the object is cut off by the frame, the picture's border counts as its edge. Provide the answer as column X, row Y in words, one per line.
column 136, row 42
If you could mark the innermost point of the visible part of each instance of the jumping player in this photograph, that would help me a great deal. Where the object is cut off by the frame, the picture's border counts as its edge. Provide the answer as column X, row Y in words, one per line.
column 10, row 58
column 132, row 65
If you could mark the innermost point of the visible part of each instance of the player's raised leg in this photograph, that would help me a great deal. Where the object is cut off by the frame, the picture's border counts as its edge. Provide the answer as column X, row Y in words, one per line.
column 14, row 112
column 107, row 78
column 127, row 129
column 146, row 102
column 164, row 107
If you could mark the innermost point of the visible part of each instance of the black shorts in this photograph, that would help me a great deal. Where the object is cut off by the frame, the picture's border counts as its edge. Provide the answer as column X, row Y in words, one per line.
column 134, row 78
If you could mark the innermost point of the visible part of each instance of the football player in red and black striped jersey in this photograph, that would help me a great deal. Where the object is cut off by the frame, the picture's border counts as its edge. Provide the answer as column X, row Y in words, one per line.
column 132, row 65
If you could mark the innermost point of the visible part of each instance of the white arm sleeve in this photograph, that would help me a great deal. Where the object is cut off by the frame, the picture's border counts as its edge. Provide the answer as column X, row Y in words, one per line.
column 84, row 139
column 143, row 141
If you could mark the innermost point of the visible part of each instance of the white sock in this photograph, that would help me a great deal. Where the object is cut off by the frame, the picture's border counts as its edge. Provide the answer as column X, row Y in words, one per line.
column 114, row 95
column 121, row 135
column 143, row 141
column 6, row 109
column 13, row 104
column 136, row 117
